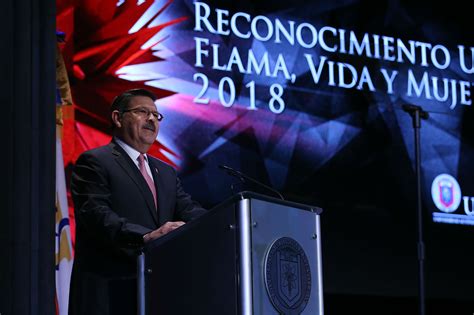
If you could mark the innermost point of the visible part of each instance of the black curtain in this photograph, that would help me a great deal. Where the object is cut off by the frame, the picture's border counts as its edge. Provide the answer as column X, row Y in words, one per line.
column 27, row 150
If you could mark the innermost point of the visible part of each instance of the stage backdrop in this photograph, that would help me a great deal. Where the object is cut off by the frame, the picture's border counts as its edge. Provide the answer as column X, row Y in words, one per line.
column 305, row 97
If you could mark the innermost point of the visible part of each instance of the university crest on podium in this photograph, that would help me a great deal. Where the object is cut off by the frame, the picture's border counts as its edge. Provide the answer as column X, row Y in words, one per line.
column 287, row 276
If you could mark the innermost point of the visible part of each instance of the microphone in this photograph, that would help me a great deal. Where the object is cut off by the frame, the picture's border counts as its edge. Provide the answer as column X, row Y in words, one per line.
column 243, row 178
column 411, row 109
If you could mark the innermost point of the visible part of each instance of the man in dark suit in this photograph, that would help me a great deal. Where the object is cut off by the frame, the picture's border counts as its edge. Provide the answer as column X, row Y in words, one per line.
column 123, row 198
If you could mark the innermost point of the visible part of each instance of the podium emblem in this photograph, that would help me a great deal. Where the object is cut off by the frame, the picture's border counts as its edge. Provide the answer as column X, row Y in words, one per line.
column 287, row 276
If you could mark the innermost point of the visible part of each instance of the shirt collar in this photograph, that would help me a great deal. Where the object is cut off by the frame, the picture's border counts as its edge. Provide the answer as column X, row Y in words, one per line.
column 132, row 153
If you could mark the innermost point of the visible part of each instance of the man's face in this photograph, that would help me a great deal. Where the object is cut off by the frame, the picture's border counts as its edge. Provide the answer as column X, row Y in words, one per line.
column 137, row 126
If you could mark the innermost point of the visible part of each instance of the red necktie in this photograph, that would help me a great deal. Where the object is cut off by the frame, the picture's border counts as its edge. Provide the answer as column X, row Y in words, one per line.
column 149, row 181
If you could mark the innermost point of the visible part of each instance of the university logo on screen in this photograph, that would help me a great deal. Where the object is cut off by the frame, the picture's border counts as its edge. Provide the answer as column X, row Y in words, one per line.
column 447, row 197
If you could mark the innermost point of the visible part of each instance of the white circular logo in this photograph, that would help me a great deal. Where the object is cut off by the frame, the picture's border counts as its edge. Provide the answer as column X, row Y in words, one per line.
column 446, row 193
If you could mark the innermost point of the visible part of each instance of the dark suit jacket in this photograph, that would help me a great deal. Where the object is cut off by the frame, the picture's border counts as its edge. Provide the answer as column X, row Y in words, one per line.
column 114, row 208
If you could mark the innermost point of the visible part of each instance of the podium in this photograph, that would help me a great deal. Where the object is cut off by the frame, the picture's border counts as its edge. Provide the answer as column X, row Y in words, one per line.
column 251, row 254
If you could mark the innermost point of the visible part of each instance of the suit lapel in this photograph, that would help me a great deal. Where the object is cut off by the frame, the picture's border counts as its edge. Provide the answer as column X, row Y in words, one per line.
column 159, row 186
column 131, row 169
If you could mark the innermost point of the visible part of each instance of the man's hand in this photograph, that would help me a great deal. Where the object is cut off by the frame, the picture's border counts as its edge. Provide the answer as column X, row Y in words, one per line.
column 162, row 230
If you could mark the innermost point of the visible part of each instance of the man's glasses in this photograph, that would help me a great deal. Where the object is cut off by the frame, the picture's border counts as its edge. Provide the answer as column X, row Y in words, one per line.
column 145, row 113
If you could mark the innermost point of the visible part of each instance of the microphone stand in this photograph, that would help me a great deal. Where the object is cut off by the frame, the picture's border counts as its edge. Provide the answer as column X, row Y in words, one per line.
column 417, row 113
column 244, row 178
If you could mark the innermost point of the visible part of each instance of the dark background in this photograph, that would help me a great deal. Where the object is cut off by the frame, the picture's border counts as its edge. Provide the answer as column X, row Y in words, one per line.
column 368, row 187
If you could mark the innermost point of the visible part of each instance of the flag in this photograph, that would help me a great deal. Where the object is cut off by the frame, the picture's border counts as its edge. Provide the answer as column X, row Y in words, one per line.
column 64, row 249
column 64, row 257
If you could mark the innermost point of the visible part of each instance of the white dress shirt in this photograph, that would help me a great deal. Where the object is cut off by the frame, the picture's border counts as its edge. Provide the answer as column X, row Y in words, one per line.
column 133, row 154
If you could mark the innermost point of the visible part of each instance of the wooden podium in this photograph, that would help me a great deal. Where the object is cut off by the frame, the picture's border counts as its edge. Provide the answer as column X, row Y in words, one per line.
column 252, row 254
